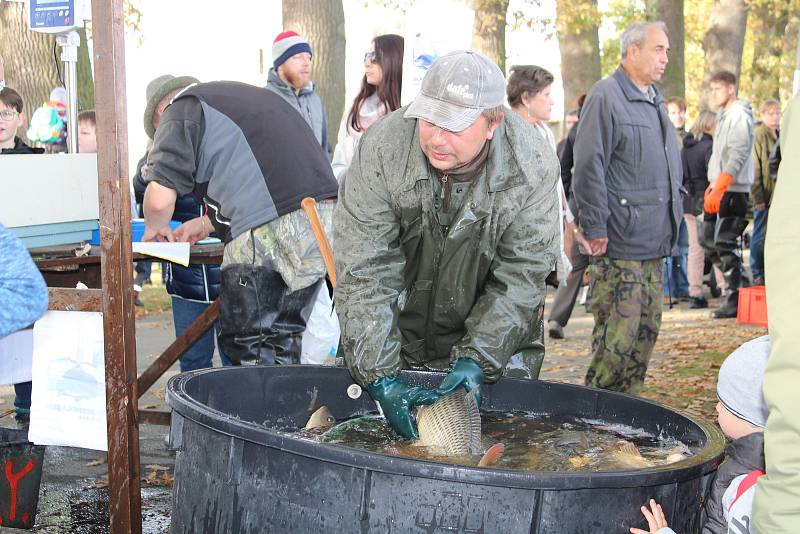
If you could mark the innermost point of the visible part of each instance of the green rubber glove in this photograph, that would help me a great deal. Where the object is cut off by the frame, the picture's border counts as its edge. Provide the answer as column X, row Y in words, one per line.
column 396, row 400
column 463, row 372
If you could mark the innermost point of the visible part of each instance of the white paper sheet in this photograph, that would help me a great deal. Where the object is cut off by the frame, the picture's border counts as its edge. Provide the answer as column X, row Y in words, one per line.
column 69, row 394
column 174, row 252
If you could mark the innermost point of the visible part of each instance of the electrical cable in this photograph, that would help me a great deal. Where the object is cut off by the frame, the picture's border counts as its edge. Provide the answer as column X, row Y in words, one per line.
column 55, row 60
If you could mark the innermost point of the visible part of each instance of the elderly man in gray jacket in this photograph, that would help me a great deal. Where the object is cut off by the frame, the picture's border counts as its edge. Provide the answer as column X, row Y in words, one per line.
column 626, row 184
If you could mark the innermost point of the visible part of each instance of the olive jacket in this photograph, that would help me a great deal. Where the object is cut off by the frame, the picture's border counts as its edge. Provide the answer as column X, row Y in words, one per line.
column 411, row 295
column 763, row 182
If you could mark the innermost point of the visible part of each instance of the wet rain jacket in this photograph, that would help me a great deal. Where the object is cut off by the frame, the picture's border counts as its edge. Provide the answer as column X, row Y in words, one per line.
column 410, row 296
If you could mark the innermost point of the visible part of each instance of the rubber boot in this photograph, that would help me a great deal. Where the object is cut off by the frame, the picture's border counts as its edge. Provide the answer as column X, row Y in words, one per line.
column 728, row 232
column 260, row 319
column 729, row 307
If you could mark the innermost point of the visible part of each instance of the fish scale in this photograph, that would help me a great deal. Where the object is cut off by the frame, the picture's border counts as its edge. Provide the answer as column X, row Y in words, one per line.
column 452, row 424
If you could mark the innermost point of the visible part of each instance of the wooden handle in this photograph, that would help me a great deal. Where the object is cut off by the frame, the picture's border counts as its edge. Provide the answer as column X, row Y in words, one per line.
column 310, row 207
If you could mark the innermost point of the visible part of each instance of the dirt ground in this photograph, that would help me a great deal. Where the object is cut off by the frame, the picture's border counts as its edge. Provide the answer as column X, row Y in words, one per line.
column 74, row 499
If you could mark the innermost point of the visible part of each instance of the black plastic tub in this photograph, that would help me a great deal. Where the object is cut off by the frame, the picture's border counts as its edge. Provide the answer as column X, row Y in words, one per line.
column 21, row 465
column 238, row 469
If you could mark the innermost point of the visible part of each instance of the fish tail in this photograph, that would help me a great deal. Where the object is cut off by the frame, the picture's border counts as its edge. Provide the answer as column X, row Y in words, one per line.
column 493, row 455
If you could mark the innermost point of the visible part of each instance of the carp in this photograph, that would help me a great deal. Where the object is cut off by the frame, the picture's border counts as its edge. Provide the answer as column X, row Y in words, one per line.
column 450, row 427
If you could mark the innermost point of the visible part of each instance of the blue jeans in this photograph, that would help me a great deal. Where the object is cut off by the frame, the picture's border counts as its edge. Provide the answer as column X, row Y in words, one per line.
column 676, row 282
column 757, row 244
column 199, row 355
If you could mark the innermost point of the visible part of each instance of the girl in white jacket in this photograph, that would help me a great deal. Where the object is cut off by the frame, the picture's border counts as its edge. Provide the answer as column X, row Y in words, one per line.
column 379, row 95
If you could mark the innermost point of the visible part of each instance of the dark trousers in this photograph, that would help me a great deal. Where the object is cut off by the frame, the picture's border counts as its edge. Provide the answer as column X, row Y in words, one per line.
column 567, row 293
column 259, row 318
column 720, row 239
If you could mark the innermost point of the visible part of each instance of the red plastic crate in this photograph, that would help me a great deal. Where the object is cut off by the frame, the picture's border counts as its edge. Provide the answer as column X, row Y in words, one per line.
column 752, row 306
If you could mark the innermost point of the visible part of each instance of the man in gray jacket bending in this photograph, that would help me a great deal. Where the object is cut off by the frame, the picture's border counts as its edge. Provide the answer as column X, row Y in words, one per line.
column 626, row 179
column 730, row 177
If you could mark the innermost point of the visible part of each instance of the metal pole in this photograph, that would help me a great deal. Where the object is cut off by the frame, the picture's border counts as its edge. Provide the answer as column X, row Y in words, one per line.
column 122, row 412
column 69, row 43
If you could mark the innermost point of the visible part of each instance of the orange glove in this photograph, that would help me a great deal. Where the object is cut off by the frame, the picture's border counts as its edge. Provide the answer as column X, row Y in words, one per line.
column 713, row 195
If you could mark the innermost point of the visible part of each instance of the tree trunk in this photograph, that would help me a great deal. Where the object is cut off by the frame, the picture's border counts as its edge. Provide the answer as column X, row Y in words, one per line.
column 768, row 22
column 489, row 29
column 724, row 40
column 32, row 69
column 577, row 28
column 322, row 23
column 789, row 58
column 85, row 75
column 673, row 83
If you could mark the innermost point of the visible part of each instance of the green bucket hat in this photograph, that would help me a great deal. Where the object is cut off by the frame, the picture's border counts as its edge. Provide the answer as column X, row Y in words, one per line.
column 156, row 91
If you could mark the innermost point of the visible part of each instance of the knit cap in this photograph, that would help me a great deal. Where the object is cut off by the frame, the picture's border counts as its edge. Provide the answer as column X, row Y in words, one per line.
column 286, row 45
column 741, row 378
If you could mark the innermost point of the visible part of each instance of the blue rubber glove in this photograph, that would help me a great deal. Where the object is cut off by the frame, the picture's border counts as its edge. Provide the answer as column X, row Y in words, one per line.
column 397, row 399
column 463, row 372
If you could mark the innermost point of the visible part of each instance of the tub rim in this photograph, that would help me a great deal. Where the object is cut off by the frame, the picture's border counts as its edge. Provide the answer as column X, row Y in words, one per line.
column 706, row 461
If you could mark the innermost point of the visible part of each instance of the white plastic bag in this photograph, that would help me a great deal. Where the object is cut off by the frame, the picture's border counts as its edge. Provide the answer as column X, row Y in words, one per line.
column 16, row 351
column 321, row 337
column 69, row 394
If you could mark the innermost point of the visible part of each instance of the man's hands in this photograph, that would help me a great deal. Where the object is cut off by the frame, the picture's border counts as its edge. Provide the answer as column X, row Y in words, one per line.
column 396, row 400
column 713, row 195
column 160, row 233
column 463, row 372
column 597, row 247
column 194, row 230
column 761, row 206
column 572, row 235
column 655, row 520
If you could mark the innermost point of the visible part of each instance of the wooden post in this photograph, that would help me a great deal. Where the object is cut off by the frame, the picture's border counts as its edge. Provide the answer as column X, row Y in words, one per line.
column 124, row 495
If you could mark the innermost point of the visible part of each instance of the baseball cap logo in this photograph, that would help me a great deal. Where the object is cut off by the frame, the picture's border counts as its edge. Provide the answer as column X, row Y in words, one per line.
column 460, row 91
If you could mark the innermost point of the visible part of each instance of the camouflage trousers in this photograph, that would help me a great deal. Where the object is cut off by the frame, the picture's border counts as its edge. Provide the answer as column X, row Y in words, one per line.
column 625, row 299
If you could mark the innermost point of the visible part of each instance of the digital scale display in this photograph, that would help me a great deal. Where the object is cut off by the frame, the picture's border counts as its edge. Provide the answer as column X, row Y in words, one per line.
column 51, row 14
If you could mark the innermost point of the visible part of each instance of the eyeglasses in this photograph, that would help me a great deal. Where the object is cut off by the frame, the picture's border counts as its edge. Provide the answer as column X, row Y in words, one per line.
column 8, row 114
column 371, row 57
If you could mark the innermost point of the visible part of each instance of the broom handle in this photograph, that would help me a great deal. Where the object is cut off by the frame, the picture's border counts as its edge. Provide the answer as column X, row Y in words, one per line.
column 310, row 207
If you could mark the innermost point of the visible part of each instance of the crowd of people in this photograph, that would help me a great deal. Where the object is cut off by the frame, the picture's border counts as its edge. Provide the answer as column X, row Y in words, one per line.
column 448, row 216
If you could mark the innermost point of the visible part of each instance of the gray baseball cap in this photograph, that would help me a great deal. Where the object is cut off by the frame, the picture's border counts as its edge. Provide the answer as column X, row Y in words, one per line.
column 456, row 89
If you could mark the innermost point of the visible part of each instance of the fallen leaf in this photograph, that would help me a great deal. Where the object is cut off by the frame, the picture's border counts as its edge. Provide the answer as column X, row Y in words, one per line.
column 98, row 461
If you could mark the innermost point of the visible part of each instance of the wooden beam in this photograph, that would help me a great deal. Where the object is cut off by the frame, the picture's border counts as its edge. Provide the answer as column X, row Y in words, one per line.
column 67, row 299
column 124, row 489
column 198, row 327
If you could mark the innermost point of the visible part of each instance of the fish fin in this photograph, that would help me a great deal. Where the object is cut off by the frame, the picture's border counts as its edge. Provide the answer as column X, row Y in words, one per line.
column 493, row 455
column 629, row 448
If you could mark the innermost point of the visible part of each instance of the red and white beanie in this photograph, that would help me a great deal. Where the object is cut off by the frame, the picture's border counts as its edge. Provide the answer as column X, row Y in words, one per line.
column 286, row 45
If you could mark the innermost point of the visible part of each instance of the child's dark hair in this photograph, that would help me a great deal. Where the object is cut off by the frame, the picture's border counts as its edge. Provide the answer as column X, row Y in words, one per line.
column 11, row 99
column 89, row 116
